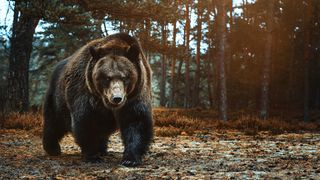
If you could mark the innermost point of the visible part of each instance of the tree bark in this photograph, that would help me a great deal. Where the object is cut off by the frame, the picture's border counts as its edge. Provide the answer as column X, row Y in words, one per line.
column 266, row 64
column 229, row 49
column 198, row 53
column 186, row 103
column 231, row 15
column 173, row 66
column 163, row 67
column 306, row 111
column 23, row 28
column 2, row 106
column 209, row 67
column 209, row 78
column 307, row 44
column 221, row 33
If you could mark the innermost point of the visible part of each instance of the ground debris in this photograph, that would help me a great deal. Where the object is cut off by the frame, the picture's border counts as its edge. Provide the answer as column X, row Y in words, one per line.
column 227, row 154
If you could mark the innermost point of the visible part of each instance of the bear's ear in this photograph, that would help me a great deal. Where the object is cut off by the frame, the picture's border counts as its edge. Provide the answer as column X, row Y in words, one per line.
column 95, row 53
column 133, row 52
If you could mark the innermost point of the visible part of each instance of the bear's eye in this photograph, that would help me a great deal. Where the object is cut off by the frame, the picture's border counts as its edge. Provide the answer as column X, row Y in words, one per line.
column 107, row 78
column 104, row 79
column 125, row 80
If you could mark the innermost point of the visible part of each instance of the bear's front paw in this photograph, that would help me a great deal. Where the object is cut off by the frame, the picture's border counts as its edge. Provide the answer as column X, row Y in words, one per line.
column 130, row 162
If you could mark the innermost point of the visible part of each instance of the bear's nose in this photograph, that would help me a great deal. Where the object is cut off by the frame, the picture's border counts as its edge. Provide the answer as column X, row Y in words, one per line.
column 116, row 99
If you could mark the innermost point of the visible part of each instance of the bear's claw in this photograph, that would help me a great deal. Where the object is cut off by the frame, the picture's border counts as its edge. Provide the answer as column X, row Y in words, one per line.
column 129, row 163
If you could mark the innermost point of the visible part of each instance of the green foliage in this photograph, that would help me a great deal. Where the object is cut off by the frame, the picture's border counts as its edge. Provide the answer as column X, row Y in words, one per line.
column 68, row 25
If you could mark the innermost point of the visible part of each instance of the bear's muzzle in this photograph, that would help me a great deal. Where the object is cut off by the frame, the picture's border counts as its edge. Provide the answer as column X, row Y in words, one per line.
column 116, row 93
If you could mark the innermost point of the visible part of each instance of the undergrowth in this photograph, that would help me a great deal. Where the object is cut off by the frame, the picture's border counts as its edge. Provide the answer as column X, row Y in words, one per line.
column 174, row 122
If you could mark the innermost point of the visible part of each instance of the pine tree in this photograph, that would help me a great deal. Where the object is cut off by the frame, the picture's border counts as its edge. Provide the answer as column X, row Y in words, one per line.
column 25, row 20
column 221, row 33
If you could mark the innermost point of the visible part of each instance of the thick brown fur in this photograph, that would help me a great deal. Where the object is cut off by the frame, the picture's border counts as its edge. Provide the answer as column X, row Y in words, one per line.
column 74, row 100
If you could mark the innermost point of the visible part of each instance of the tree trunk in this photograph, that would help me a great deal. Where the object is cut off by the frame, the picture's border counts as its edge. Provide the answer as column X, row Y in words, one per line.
column 209, row 77
column 266, row 64
column 2, row 106
column 145, row 36
column 178, row 95
column 307, row 44
column 163, row 67
column 186, row 103
column 173, row 66
column 23, row 28
column 229, row 54
column 317, row 101
column 121, row 28
column 231, row 15
column 98, row 33
column 244, row 8
column 209, row 65
column 221, row 33
column 198, row 53
column 306, row 114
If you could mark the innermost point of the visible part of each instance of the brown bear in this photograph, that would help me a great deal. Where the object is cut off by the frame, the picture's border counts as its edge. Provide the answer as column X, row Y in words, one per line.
column 103, row 86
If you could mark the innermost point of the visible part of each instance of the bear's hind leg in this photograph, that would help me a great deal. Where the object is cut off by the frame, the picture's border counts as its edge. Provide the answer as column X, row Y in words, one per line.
column 86, row 130
column 53, row 132
column 103, row 144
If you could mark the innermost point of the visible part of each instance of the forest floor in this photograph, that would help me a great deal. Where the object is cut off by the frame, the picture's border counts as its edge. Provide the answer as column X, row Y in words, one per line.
column 228, row 154
column 178, row 152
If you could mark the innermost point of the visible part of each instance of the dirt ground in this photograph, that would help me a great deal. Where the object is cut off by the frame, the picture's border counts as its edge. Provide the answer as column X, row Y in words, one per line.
column 222, row 155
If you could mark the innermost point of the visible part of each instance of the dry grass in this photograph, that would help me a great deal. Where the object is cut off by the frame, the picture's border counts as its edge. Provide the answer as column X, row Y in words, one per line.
column 168, row 131
column 252, row 125
column 174, row 122
column 27, row 121
column 24, row 121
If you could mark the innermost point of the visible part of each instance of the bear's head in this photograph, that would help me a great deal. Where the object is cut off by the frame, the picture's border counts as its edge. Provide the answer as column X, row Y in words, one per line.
column 112, row 72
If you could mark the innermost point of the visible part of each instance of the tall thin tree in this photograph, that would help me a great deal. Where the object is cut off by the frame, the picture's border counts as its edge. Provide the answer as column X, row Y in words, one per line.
column 187, row 56
column 163, row 66
column 198, row 55
column 307, row 44
column 209, row 69
column 173, row 66
column 222, row 40
column 266, row 64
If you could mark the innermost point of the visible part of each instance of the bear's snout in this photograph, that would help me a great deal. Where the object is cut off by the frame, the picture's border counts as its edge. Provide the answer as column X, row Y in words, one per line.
column 116, row 94
column 117, row 99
